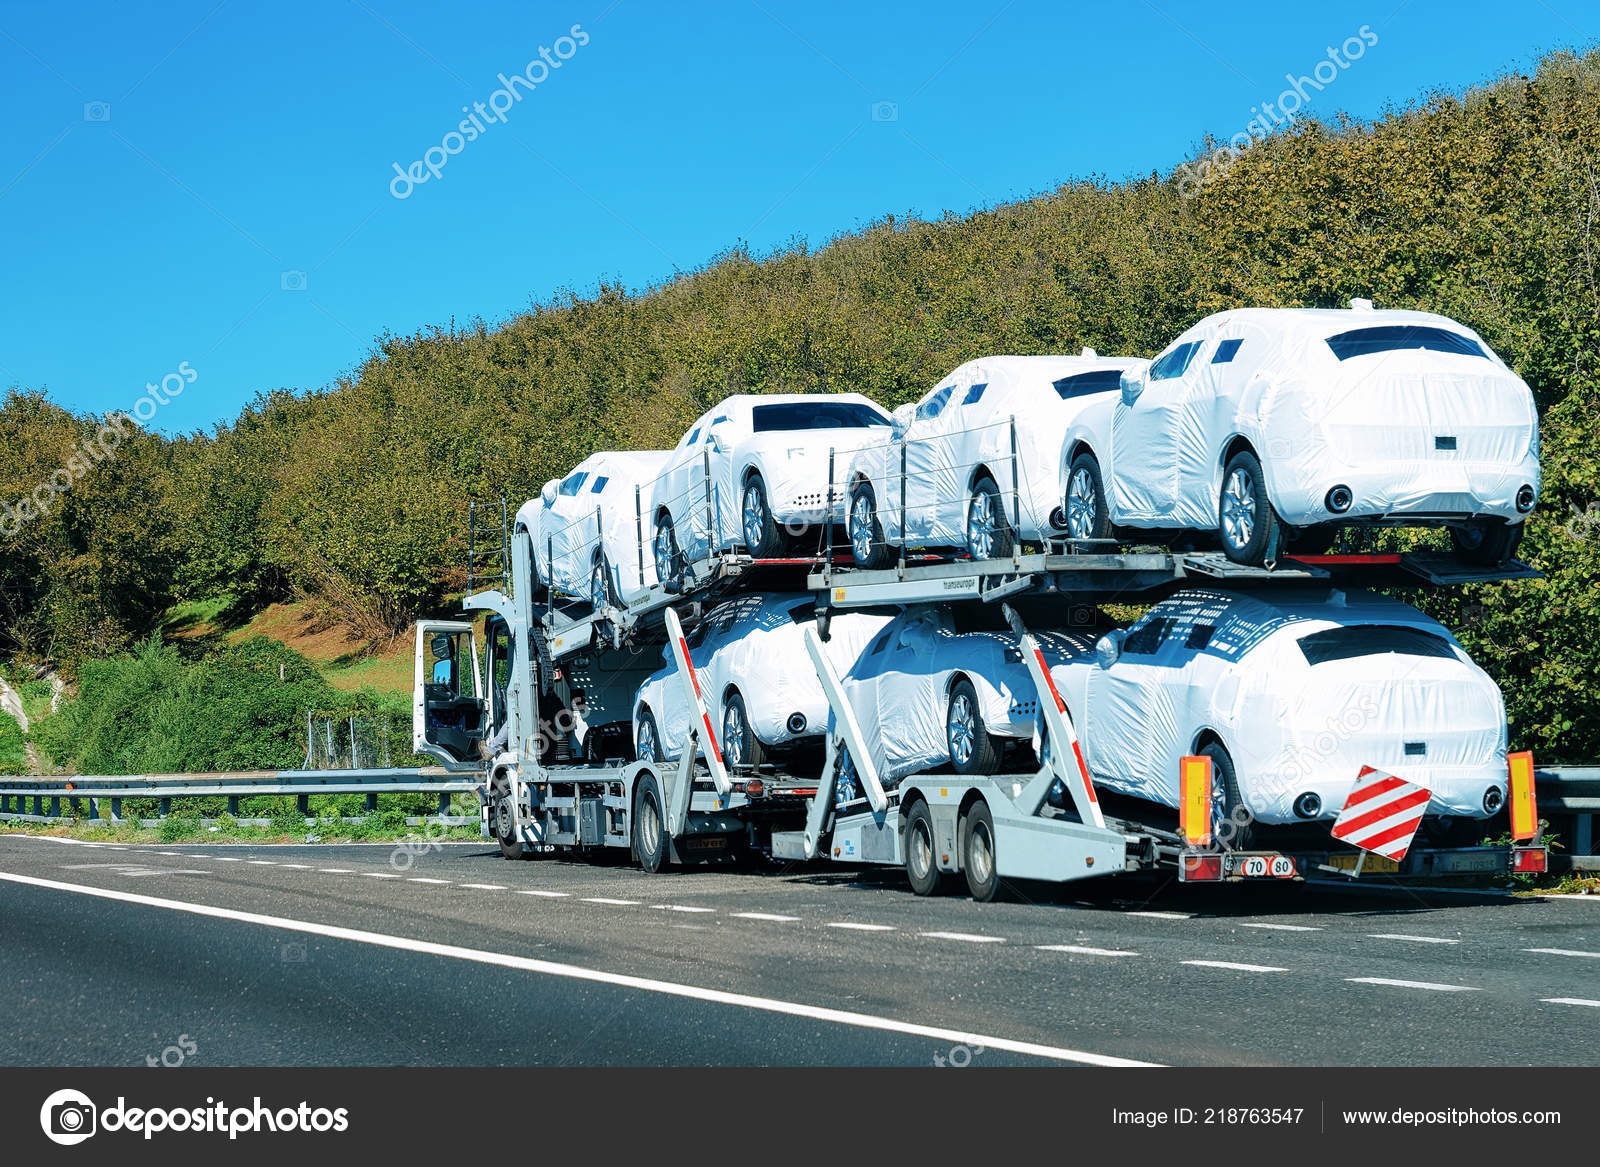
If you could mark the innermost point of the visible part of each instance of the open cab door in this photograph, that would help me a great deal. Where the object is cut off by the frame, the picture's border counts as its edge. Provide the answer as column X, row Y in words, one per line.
column 447, row 705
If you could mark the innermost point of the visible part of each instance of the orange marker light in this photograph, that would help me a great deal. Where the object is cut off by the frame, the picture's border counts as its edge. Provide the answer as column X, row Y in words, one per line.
column 1194, row 800
column 1524, row 807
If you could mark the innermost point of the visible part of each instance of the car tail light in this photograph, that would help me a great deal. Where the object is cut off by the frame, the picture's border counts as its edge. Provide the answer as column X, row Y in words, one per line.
column 1200, row 868
column 1530, row 860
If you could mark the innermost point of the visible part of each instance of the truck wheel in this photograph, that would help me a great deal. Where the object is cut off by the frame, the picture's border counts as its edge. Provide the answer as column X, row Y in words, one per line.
column 1085, row 504
column 761, row 533
column 867, row 546
column 989, row 536
column 503, row 821
column 1232, row 824
column 647, row 741
column 650, row 841
column 1486, row 543
column 1245, row 518
column 740, row 746
column 978, row 853
column 972, row 749
column 921, row 869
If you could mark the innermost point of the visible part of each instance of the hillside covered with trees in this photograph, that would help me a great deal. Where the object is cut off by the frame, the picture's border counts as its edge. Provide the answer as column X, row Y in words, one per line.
column 1481, row 206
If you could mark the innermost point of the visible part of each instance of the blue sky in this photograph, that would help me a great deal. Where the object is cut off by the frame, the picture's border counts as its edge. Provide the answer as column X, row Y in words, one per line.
column 169, row 172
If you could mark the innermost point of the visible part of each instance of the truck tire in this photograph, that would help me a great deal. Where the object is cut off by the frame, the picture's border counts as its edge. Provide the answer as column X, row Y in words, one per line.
column 1246, row 521
column 762, row 535
column 1085, row 501
column 740, row 745
column 972, row 749
column 1486, row 543
column 867, row 546
column 989, row 535
column 921, row 868
column 1232, row 824
column 978, row 853
column 502, row 821
column 650, row 842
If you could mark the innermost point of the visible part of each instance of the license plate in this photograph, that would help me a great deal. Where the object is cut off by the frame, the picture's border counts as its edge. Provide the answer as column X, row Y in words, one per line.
column 1267, row 867
column 704, row 843
column 1376, row 864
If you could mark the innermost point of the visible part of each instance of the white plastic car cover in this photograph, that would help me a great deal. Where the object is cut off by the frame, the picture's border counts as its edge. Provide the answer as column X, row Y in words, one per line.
column 590, row 508
column 899, row 688
column 754, row 645
column 784, row 439
column 1302, row 688
column 962, row 430
column 1410, row 410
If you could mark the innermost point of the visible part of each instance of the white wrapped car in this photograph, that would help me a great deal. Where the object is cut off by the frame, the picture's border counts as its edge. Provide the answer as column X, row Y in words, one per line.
column 928, row 692
column 761, row 690
column 752, row 469
column 1285, row 424
column 583, row 528
column 1291, row 692
column 964, row 486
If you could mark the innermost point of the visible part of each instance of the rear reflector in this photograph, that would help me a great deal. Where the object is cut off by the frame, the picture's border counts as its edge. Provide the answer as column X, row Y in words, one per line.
column 1524, row 808
column 1194, row 800
column 1199, row 868
column 1530, row 860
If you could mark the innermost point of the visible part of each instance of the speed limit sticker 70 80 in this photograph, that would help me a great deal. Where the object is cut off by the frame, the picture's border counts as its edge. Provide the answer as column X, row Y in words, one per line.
column 1263, row 866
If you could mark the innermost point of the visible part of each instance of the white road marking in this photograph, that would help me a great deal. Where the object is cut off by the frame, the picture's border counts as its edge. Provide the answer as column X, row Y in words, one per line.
column 421, row 879
column 1084, row 950
column 262, row 862
column 607, row 900
column 576, row 972
column 1234, row 966
column 483, row 886
column 1161, row 915
column 337, row 870
column 296, row 866
column 1563, row 952
column 864, row 927
column 227, row 859
column 1418, row 939
column 1283, row 927
column 969, row 937
column 1411, row 984
column 766, row 916
column 1569, row 1001
column 380, row 875
column 680, row 908
column 179, row 854
column 555, row 895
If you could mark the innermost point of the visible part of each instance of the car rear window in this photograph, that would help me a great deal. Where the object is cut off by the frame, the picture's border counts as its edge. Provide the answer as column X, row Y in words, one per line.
column 814, row 415
column 1372, row 640
column 1083, row 384
column 1362, row 342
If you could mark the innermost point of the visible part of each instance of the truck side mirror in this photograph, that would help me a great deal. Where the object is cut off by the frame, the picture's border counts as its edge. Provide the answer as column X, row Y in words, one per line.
column 1108, row 649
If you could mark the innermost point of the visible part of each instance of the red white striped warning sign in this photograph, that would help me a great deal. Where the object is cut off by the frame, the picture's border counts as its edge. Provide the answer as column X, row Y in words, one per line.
column 1382, row 814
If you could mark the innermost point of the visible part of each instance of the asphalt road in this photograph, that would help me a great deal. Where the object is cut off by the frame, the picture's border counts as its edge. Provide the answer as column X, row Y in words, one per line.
column 325, row 955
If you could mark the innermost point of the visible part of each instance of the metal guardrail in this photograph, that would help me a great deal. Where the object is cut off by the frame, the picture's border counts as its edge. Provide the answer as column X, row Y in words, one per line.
column 1568, row 789
column 67, row 796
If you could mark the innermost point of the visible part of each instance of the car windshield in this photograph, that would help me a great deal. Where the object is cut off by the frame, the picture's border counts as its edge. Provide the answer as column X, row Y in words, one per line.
column 1363, row 342
column 1083, row 384
column 1359, row 640
column 1175, row 363
column 814, row 415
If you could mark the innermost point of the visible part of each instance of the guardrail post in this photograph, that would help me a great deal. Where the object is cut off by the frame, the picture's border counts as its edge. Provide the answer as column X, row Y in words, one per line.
column 372, row 804
column 38, row 805
column 303, row 801
column 444, row 804
column 233, row 805
column 116, row 810
column 166, row 807
column 55, row 807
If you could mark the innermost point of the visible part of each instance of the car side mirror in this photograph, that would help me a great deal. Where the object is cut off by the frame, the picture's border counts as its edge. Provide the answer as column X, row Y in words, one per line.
column 1108, row 649
column 901, row 419
column 548, row 494
column 1133, row 381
